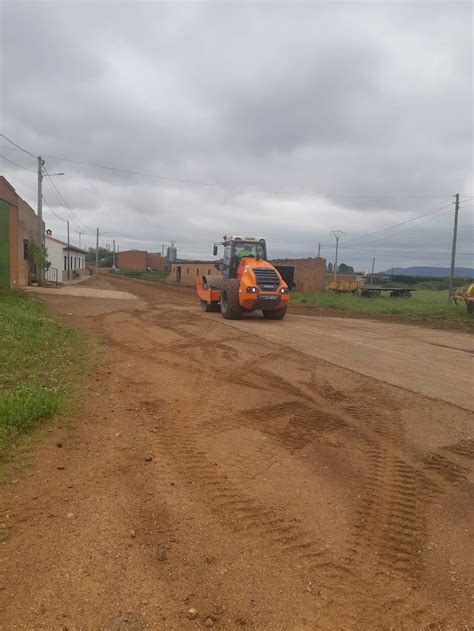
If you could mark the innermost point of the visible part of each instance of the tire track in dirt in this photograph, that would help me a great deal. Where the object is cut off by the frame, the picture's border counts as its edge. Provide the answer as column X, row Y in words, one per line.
column 305, row 554
column 389, row 530
column 448, row 469
column 243, row 514
column 463, row 447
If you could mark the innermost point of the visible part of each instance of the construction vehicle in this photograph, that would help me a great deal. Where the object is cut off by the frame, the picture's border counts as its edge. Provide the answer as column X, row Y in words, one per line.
column 247, row 282
column 466, row 295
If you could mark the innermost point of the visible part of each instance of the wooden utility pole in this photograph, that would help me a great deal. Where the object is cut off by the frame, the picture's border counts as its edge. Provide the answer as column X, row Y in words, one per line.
column 319, row 250
column 68, row 252
column 453, row 251
column 40, row 199
column 372, row 273
column 97, row 252
column 40, row 272
column 113, row 255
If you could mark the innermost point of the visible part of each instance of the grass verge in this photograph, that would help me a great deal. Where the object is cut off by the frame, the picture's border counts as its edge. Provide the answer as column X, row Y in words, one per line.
column 156, row 277
column 424, row 305
column 39, row 361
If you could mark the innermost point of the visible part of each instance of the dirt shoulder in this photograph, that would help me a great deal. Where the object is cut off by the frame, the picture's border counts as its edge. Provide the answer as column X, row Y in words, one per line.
column 448, row 325
column 210, row 468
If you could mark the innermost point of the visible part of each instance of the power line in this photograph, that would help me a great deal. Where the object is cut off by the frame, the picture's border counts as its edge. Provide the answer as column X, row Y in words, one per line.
column 195, row 182
column 18, row 146
column 398, row 232
column 237, row 188
column 57, row 216
column 17, row 165
column 402, row 223
column 225, row 186
column 61, row 198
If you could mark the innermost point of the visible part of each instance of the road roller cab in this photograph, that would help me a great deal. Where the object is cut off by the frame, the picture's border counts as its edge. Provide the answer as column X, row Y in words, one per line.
column 245, row 281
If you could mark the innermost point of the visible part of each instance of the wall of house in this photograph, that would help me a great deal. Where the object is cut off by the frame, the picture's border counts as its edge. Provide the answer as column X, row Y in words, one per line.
column 133, row 260
column 57, row 256
column 18, row 224
column 27, row 230
column 309, row 273
column 14, row 254
column 140, row 260
column 187, row 273
column 4, row 245
column 77, row 264
column 155, row 262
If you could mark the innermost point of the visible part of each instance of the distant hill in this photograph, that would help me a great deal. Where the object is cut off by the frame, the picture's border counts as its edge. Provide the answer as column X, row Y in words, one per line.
column 433, row 272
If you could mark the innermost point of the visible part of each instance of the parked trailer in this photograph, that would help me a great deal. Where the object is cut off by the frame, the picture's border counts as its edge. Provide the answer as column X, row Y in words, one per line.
column 344, row 286
column 370, row 291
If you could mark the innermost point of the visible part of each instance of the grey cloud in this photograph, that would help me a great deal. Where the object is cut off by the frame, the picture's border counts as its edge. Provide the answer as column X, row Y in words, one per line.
column 343, row 98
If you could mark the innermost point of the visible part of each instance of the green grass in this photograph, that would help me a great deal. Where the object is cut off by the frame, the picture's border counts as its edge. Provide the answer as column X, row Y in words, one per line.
column 39, row 360
column 156, row 277
column 423, row 305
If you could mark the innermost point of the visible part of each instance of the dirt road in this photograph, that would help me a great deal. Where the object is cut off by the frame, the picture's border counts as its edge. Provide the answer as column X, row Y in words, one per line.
column 231, row 469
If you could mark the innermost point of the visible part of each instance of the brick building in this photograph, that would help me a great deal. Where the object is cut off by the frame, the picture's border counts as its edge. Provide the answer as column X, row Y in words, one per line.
column 140, row 261
column 309, row 273
column 186, row 272
column 19, row 226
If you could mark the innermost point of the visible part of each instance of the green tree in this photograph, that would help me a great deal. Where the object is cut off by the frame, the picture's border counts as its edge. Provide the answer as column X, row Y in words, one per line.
column 38, row 254
column 105, row 257
column 345, row 269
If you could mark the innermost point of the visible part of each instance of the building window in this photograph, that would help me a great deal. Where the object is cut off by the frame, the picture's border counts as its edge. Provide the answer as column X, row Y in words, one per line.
column 75, row 262
column 209, row 272
column 26, row 249
column 65, row 262
column 187, row 271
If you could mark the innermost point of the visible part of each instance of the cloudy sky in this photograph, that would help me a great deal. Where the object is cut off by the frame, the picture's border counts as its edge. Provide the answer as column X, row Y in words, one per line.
column 285, row 120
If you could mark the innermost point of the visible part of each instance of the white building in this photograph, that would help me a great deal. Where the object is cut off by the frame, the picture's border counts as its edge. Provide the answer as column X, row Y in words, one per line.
column 67, row 262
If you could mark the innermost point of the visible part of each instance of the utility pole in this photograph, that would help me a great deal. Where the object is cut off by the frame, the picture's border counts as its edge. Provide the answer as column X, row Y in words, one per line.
column 80, row 235
column 68, row 252
column 97, row 252
column 453, row 252
column 338, row 234
column 113, row 255
column 163, row 250
column 39, row 272
column 372, row 273
column 319, row 250
column 40, row 199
